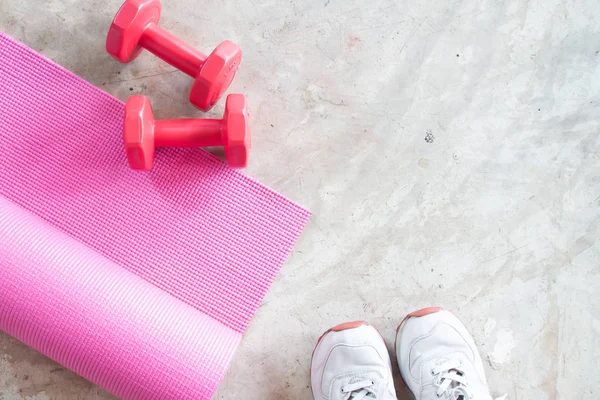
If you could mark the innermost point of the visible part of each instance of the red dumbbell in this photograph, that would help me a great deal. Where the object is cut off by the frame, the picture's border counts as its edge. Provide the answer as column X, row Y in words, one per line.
column 136, row 27
column 142, row 133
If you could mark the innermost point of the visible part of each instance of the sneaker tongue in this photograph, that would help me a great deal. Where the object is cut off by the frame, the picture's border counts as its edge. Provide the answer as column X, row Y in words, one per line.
column 416, row 367
column 368, row 376
column 440, row 360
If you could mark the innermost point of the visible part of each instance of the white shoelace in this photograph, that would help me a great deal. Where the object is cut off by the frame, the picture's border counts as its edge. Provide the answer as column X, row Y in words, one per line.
column 451, row 381
column 359, row 390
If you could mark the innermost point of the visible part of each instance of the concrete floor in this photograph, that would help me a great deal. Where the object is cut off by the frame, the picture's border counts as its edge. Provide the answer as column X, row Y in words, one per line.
column 449, row 152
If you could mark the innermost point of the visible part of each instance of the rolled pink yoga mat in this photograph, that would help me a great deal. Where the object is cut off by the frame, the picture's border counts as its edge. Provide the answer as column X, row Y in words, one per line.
column 142, row 283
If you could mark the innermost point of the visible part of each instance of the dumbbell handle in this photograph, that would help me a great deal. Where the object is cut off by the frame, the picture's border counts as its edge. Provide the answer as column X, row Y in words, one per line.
column 188, row 133
column 172, row 50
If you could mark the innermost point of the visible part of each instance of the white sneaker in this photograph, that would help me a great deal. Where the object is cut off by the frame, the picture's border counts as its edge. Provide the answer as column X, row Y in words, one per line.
column 351, row 361
column 438, row 358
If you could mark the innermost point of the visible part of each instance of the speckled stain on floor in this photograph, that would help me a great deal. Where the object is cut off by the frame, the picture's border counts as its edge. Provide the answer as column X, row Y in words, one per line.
column 449, row 152
column 25, row 374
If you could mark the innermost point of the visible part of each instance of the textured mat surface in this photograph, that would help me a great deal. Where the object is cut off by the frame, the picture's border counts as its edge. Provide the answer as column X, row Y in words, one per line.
column 207, row 236
column 101, row 321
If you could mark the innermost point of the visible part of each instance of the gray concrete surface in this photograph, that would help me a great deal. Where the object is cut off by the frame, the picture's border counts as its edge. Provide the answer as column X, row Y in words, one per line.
column 448, row 150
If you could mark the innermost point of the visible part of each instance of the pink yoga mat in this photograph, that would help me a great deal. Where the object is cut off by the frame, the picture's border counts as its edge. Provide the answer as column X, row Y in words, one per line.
column 142, row 283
